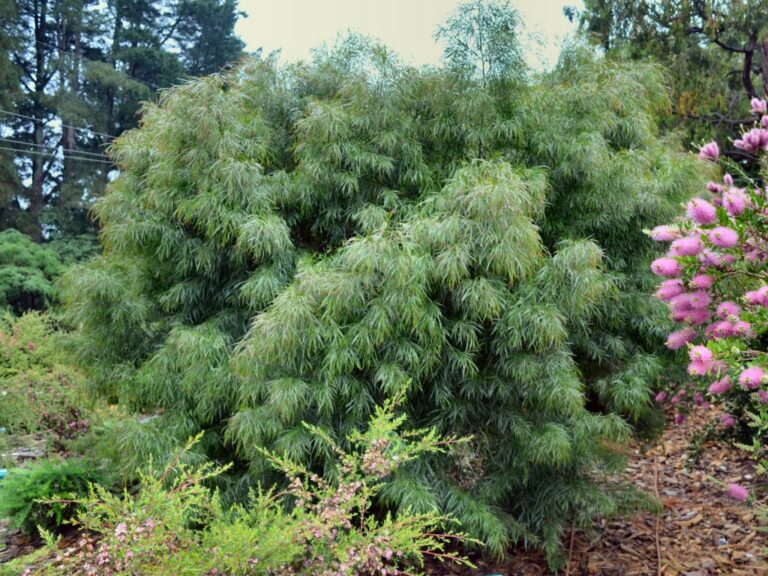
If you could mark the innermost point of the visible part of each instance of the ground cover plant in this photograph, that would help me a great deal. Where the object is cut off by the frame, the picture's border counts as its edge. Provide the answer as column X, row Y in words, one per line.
column 174, row 523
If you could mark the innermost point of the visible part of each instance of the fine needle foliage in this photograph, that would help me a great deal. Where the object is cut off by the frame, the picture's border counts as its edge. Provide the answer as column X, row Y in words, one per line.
column 297, row 244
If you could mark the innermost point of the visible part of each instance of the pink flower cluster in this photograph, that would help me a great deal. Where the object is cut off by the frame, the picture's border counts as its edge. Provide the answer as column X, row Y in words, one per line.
column 715, row 283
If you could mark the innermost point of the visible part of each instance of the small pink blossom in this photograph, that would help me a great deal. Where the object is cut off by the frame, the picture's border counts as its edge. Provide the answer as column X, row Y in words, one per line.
column 702, row 282
column 728, row 421
column 728, row 309
column 710, row 151
column 687, row 246
column 758, row 106
column 738, row 492
column 715, row 187
column 679, row 339
column 669, row 289
column 754, row 140
column 752, row 377
column 721, row 386
column 661, row 397
column 702, row 212
column 735, row 201
column 666, row 267
column 723, row 237
column 665, row 233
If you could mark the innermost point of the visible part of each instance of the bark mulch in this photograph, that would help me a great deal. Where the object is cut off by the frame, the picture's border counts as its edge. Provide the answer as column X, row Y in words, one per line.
column 701, row 531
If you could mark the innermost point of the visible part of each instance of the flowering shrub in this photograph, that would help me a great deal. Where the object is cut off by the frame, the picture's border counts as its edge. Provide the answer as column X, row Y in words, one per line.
column 176, row 525
column 38, row 388
column 716, row 284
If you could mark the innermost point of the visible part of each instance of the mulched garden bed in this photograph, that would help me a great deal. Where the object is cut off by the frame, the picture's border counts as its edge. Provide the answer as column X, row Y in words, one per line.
column 701, row 532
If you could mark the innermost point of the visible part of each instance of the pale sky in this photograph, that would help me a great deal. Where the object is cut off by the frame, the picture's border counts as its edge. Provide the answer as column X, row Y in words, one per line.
column 407, row 26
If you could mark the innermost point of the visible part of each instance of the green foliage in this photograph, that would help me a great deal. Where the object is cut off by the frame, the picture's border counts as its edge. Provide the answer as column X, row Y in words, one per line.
column 40, row 389
column 713, row 51
column 291, row 245
column 44, row 494
column 482, row 38
column 27, row 271
column 74, row 74
column 175, row 524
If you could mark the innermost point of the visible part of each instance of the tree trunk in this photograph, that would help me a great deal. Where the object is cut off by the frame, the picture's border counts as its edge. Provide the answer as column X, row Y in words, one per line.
column 37, row 190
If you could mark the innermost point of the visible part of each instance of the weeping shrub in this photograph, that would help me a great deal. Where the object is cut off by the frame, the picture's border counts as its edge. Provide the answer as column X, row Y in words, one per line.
column 297, row 244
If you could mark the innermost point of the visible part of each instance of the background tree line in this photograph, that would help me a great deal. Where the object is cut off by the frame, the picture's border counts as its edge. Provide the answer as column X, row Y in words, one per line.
column 73, row 74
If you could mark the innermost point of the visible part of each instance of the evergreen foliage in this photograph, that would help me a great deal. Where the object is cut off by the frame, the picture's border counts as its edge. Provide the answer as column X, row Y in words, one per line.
column 27, row 271
column 299, row 244
column 44, row 494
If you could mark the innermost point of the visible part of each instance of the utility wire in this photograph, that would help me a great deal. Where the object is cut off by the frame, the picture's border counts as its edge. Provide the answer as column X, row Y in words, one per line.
column 63, row 125
column 49, row 155
column 73, row 151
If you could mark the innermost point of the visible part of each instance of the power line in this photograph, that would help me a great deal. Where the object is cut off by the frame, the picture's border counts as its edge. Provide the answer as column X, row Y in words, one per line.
column 63, row 125
column 75, row 150
column 49, row 155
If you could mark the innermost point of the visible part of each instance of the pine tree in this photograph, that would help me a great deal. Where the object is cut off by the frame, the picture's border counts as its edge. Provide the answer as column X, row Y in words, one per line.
column 297, row 244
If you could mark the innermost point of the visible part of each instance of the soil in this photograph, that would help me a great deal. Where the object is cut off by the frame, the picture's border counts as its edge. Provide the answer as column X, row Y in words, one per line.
column 701, row 532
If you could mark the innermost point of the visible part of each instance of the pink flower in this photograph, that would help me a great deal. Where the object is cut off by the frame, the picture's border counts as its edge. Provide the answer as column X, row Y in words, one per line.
column 723, row 237
column 758, row 297
column 697, row 317
column 738, row 492
column 665, row 233
column 728, row 309
column 702, row 281
column 669, row 289
column 728, row 421
column 728, row 179
column 744, row 329
column 721, row 386
column 752, row 377
column 754, row 140
column 661, row 397
column 715, row 188
column 688, row 246
column 121, row 529
column 735, row 201
column 679, row 418
column 701, row 354
column 758, row 106
column 699, row 299
column 666, row 267
column 710, row 151
column 677, row 340
column 699, row 368
column 701, row 211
